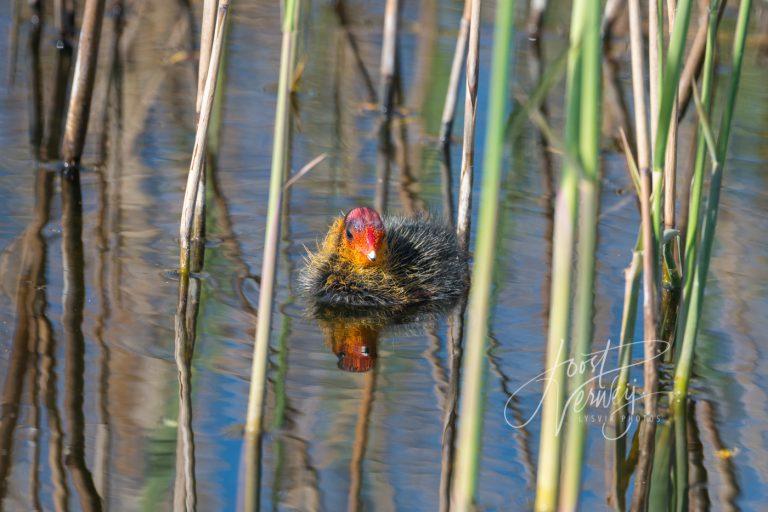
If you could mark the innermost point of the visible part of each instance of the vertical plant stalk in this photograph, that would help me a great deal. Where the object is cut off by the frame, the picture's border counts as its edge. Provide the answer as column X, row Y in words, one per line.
column 693, row 224
column 563, row 239
column 451, row 97
column 693, row 65
column 201, row 137
column 389, row 55
column 650, row 368
column 654, row 65
column 464, row 215
column 670, row 160
column 589, row 194
column 207, row 28
column 254, row 418
column 638, row 87
column 82, row 82
column 470, row 427
column 669, row 86
column 699, row 276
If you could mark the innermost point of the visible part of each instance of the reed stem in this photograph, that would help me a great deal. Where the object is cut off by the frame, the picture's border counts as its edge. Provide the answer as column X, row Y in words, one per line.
column 389, row 55
column 563, row 238
column 201, row 139
column 451, row 97
column 664, row 115
column 473, row 373
column 82, row 82
column 590, row 111
column 464, row 215
column 697, row 178
column 254, row 418
column 699, row 276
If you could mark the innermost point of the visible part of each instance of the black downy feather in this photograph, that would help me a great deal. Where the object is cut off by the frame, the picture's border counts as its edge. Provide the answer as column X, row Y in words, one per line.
column 425, row 267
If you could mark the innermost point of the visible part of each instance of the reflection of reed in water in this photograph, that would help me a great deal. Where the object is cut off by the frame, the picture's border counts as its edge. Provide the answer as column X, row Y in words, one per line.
column 31, row 334
column 73, row 302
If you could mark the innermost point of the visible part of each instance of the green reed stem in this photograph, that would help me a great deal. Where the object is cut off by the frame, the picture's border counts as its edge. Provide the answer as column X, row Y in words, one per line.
column 470, row 426
column 697, row 178
column 670, row 80
column 659, row 494
column 563, row 236
column 628, row 321
column 681, row 456
column 280, row 147
column 589, row 191
column 683, row 370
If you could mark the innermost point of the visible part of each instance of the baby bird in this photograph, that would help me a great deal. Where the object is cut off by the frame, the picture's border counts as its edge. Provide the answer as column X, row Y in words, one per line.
column 367, row 261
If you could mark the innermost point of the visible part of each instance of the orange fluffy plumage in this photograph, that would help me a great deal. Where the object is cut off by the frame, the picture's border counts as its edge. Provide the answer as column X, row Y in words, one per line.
column 395, row 261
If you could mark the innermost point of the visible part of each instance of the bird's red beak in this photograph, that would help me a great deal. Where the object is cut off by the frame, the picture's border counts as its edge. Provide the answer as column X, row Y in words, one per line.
column 372, row 242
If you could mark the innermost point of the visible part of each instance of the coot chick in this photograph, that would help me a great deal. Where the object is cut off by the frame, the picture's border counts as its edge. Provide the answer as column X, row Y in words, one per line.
column 367, row 261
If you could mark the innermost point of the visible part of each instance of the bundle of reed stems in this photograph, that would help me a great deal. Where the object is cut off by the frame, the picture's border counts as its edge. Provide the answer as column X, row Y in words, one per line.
column 672, row 298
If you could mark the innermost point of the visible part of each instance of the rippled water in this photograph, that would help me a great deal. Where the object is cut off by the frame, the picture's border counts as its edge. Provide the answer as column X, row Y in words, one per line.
column 91, row 388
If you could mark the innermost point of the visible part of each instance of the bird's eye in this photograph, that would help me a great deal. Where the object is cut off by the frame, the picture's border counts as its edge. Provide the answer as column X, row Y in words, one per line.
column 349, row 235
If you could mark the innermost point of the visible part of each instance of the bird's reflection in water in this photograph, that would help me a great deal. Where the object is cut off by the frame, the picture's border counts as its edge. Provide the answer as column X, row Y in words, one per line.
column 353, row 341
column 353, row 333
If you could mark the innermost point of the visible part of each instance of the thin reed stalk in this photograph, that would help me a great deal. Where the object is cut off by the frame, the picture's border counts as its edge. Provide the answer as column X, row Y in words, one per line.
column 699, row 275
column 655, row 60
column 693, row 223
column 664, row 114
column 207, row 28
column 473, row 373
column 451, row 97
column 563, row 241
column 254, row 418
column 650, row 367
column 201, row 139
column 590, row 111
column 389, row 55
column 464, row 214
column 670, row 159
column 82, row 82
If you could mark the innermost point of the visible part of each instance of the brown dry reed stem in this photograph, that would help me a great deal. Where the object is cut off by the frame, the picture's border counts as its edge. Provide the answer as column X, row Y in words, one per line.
column 693, row 64
column 650, row 370
column 464, row 215
column 451, row 97
column 648, row 259
column 82, row 82
column 201, row 137
column 389, row 55
column 638, row 87
column 207, row 28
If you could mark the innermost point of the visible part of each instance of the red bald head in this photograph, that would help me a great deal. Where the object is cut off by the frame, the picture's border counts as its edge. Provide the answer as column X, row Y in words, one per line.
column 364, row 237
